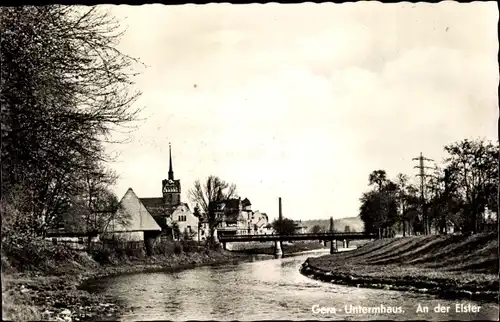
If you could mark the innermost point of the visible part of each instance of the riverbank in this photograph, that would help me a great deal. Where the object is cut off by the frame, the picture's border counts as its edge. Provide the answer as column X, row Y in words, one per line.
column 452, row 266
column 56, row 296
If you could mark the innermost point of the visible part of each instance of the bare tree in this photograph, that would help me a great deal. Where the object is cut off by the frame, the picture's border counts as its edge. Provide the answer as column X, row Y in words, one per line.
column 65, row 89
column 212, row 190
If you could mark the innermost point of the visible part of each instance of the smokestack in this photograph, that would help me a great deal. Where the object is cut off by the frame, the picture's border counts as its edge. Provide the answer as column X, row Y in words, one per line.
column 280, row 213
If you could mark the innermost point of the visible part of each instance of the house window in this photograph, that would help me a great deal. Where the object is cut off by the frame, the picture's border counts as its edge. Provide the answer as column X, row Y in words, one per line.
column 189, row 229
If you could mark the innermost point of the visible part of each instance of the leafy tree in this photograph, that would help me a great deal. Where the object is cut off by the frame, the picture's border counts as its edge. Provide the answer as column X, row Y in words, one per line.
column 473, row 167
column 379, row 178
column 196, row 212
column 176, row 232
column 456, row 193
column 317, row 229
column 412, row 213
column 347, row 229
column 284, row 226
column 213, row 190
column 403, row 198
column 379, row 207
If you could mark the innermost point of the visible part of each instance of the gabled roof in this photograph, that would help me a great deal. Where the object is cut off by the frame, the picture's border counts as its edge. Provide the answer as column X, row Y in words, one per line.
column 132, row 215
column 233, row 204
column 246, row 202
column 226, row 205
column 155, row 206
column 152, row 202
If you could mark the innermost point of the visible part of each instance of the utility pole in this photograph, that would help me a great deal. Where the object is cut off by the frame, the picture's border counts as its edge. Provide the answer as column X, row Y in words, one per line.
column 422, row 176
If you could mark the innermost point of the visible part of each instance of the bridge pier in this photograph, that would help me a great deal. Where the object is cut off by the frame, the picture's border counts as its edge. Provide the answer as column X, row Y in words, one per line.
column 224, row 246
column 277, row 248
column 345, row 244
column 333, row 246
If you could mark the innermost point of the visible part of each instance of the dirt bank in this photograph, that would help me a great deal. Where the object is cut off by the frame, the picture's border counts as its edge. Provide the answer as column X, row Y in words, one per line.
column 35, row 296
column 448, row 266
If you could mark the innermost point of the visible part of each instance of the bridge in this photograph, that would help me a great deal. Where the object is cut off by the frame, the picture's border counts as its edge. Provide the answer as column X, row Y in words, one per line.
column 289, row 237
column 332, row 237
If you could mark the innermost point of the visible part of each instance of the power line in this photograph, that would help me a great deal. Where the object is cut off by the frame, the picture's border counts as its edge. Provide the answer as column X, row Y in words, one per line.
column 422, row 176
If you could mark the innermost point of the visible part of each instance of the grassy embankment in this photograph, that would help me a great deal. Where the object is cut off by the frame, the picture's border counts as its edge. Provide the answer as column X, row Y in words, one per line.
column 450, row 266
column 49, row 289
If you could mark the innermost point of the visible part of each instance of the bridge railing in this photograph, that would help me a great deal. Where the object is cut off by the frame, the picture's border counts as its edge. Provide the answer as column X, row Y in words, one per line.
column 312, row 236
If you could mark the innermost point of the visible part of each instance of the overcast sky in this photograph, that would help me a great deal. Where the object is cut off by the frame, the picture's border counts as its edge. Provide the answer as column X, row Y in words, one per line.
column 303, row 101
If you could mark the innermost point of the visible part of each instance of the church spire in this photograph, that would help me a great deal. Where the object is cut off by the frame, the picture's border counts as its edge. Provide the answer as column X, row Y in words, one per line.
column 170, row 171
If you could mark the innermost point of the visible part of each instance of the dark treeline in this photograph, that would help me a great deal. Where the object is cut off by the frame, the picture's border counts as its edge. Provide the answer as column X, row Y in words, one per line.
column 64, row 92
column 455, row 194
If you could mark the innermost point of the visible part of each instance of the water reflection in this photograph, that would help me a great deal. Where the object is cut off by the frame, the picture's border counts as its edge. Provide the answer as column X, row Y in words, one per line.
column 270, row 289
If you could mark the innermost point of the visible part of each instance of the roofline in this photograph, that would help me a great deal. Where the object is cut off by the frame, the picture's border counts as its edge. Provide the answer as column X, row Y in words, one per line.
column 70, row 234
column 129, row 231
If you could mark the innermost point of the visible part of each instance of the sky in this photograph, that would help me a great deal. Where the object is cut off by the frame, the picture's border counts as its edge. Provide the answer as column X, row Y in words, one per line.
column 303, row 101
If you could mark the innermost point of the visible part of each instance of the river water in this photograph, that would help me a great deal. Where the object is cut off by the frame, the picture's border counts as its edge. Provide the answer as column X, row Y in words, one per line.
column 267, row 290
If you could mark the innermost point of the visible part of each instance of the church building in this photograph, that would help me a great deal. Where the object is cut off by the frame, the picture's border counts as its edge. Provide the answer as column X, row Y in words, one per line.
column 169, row 211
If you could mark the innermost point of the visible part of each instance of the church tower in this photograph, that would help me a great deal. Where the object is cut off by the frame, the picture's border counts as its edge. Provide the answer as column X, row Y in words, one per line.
column 171, row 188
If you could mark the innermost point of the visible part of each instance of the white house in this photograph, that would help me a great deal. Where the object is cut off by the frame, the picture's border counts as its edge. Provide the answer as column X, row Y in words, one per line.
column 184, row 218
column 132, row 221
column 259, row 221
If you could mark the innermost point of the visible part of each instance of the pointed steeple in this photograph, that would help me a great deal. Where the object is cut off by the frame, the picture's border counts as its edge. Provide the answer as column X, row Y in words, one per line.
column 170, row 171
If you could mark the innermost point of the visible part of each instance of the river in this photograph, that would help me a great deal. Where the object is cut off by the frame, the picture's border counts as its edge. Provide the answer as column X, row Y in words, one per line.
column 267, row 290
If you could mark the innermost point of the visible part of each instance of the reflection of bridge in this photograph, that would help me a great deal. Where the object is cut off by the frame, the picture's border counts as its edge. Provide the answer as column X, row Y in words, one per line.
column 290, row 237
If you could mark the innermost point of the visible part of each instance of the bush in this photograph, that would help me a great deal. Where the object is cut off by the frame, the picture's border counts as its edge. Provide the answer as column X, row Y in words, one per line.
column 111, row 250
column 169, row 247
column 103, row 254
column 34, row 254
column 189, row 246
column 178, row 248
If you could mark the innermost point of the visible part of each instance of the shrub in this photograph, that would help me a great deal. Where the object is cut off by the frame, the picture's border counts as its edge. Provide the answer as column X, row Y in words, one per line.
column 163, row 247
column 103, row 254
column 178, row 248
column 189, row 246
column 131, row 250
column 169, row 247
column 34, row 254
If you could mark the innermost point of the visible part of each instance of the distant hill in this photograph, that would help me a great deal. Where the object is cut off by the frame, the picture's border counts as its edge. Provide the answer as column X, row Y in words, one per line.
column 354, row 223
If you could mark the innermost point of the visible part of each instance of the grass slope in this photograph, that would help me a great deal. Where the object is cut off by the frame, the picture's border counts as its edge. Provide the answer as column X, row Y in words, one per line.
column 436, row 264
